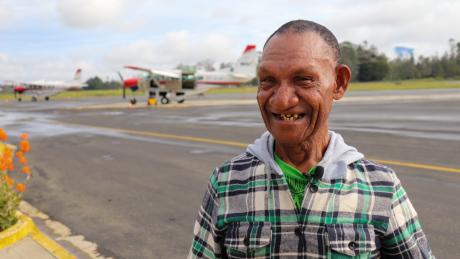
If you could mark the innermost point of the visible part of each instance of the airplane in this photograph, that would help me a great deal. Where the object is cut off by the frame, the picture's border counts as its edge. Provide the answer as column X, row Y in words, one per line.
column 177, row 84
column 242, row 72
column 46, row 88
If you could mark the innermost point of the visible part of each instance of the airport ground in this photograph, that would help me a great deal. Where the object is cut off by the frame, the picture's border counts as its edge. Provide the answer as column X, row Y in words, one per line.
column 131, row 180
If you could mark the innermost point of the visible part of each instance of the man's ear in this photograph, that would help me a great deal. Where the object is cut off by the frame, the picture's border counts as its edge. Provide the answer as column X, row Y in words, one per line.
column 343, row 76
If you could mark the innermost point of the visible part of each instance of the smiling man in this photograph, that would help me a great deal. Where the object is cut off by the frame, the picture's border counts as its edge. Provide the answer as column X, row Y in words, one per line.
column 299, row 191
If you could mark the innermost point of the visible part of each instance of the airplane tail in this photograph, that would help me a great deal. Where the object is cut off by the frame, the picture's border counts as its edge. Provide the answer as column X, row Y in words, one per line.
column 246, row 65
column 77, row 76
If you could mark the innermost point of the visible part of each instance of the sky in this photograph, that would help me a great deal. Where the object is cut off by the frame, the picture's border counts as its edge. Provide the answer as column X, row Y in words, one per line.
column 50, row 39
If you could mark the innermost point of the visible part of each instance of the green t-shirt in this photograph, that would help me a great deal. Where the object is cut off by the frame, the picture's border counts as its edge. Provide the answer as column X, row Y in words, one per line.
column 295, row 180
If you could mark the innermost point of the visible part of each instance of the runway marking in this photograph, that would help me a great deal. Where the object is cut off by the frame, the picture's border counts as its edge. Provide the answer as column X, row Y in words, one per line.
column 176, row 137
column 420, row 166
column 243, row 145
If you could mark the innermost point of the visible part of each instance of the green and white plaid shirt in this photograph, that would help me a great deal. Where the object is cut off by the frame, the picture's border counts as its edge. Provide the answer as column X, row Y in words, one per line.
column 248, row 212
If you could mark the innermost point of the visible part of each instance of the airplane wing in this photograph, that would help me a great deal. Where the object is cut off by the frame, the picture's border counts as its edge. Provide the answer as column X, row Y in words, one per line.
column 170, row 74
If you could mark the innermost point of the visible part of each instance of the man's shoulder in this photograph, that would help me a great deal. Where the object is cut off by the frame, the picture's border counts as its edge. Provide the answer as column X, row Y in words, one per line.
column 365, row 165
column 242, row 169
column 373, row 170
column 239, row 163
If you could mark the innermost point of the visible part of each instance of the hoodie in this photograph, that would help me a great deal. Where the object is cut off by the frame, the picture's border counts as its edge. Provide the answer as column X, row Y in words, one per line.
column 335, row 160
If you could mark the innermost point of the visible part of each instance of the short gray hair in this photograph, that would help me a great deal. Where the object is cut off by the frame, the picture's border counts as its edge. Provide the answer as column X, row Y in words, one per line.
column 302, row 26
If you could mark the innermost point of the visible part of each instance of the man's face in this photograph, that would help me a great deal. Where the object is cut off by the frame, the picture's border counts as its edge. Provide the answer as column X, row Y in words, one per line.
column 297, row 85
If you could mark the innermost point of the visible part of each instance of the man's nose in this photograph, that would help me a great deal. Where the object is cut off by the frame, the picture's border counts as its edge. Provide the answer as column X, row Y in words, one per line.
column 284, row 97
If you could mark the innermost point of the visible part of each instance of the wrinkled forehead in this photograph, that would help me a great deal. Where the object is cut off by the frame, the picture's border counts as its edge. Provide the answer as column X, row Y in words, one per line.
column 293, row 45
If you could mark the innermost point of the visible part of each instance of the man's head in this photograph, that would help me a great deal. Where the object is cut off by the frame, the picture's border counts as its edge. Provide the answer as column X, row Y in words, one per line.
column 299, row 77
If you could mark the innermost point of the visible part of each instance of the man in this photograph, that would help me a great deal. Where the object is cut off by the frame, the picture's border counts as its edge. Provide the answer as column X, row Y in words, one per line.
column 299, row 191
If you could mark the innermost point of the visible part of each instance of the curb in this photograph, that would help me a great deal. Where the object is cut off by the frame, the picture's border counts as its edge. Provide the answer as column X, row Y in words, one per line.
column 25, row 227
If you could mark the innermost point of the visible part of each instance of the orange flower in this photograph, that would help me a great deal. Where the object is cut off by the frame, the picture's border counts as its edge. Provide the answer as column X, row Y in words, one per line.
column 3, row 167
column 10, row 167
column 25, row 169
column 24, row 146
column 23, row 160
column 19, row 154
column 7, row 152
column 3, row 136
column 21, row 187
column 24, row 136
column 8, row 180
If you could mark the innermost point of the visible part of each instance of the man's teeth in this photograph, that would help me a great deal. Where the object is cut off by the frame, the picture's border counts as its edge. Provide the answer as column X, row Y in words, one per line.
column 289, row 117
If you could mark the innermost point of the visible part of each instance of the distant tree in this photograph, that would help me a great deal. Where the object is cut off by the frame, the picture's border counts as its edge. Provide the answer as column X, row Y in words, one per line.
column 206, row 64
column 349, row 56
column 97, row 83
column 403, row 69
column 372, row 65
column 225, row 65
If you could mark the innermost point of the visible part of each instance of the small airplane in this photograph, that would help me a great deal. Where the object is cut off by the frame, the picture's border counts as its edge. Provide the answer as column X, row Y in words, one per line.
column 46, row 88
column 176, row 84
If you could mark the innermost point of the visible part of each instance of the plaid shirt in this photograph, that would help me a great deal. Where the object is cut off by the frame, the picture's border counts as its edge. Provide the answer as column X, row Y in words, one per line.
column 248, row 212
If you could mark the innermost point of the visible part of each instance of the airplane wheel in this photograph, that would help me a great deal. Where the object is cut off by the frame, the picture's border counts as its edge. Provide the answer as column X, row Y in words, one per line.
column 164, row 100
column 133, row 101
column 34, row 99
column 47, row 98
column 181, row 101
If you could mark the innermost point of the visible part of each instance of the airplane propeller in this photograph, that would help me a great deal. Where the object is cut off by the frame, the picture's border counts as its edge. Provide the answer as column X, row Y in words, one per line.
column 130, row 83
column 122, row 85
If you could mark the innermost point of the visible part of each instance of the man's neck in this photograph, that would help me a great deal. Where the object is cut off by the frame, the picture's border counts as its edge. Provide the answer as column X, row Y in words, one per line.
column 304, row 155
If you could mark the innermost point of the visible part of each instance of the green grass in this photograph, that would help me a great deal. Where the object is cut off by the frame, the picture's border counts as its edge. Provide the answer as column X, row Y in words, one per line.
column 79, row 94
column 404, row 85
column 358, row 86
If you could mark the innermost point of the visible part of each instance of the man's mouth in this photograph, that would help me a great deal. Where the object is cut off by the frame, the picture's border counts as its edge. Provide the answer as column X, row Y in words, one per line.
column 289, row 117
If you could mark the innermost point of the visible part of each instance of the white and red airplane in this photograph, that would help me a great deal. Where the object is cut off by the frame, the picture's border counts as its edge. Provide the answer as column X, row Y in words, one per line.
column 243, row 71
column 46, row 88
column 177, row 84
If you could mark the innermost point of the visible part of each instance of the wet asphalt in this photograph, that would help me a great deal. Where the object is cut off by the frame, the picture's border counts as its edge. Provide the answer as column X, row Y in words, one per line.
column 137, row 195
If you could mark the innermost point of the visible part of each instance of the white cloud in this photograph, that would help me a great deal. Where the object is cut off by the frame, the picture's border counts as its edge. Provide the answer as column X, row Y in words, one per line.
column 176, row 47
column 89, row 13
column 5, row 14
column 30, row 69
column 425, row 25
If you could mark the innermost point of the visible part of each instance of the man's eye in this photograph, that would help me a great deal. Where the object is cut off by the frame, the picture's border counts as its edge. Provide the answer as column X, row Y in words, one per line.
column 303, row 80
column 267, row 82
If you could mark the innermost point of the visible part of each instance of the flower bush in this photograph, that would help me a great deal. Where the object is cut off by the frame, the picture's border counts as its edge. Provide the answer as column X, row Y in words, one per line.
column 15, row 174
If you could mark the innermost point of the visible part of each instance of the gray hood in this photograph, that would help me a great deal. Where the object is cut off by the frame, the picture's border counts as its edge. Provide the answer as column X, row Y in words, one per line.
column 338, row 155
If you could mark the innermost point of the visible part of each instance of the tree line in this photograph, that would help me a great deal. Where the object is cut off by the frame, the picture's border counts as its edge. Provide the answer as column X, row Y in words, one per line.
column 367, row 64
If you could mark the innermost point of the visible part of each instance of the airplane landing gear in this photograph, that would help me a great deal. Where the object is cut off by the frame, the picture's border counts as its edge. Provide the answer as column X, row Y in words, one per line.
column 19, row 99
column 47, row 98
column 34, row 99
column 164, row 100
column 133, row 101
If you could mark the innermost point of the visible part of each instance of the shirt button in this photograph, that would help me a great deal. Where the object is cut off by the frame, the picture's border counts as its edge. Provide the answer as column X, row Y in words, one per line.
column 246, row 241
column 313, row 188
column 298, row 231
column 352, row 245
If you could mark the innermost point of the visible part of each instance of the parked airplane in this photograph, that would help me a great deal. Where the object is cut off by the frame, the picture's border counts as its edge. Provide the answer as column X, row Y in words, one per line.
column 46, row 88
column 243, row 71
column 177, row 84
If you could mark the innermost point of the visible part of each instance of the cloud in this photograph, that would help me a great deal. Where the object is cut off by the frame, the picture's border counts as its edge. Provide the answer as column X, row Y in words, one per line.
column 5, row 14
column 425, row 25
column 89, row 13
column 30, row 69
column 176, row 47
